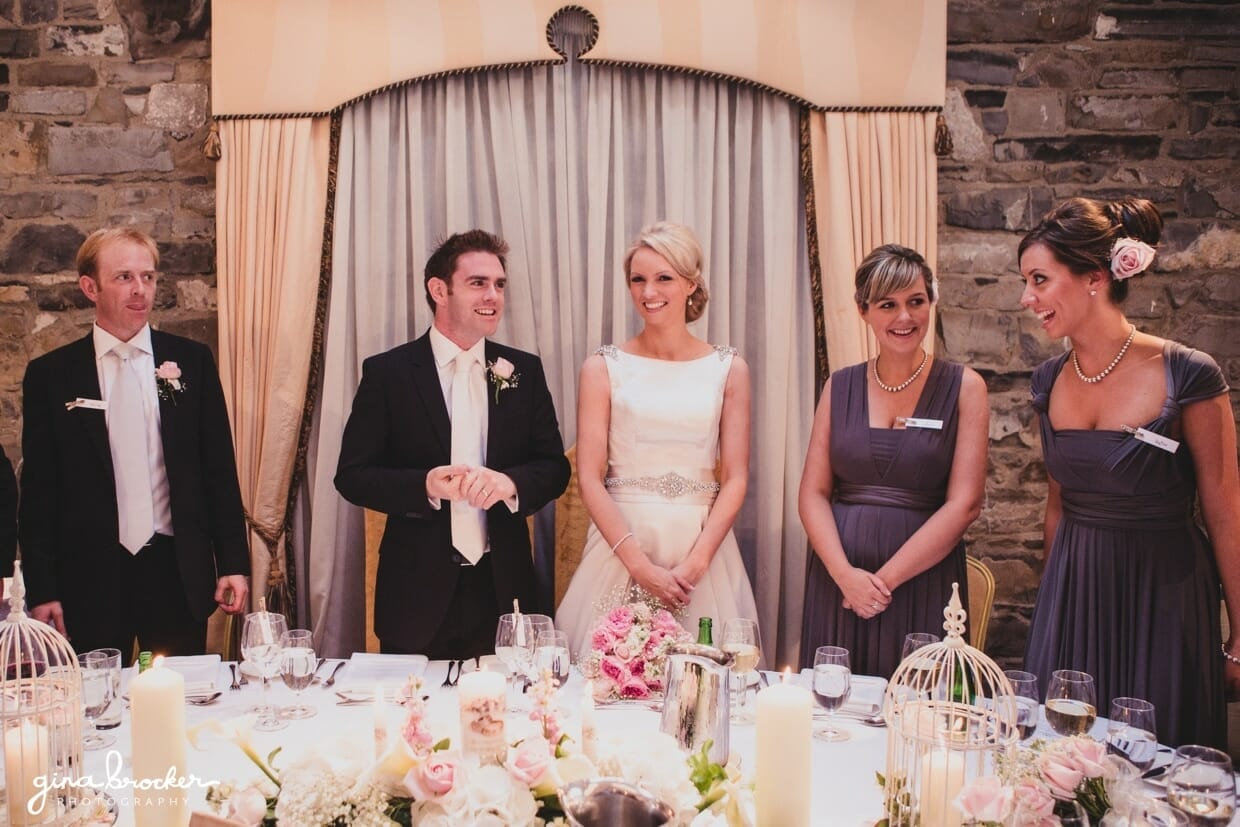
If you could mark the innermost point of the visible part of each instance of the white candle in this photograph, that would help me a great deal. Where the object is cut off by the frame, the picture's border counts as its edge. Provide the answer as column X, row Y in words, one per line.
column 481, row 697
column 589, row 733
column 785, row 724
column 26, row 758
column 157, row 709
column 942, row 777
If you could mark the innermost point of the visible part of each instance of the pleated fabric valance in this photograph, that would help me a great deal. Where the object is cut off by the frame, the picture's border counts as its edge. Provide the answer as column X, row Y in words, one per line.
column 304, row 57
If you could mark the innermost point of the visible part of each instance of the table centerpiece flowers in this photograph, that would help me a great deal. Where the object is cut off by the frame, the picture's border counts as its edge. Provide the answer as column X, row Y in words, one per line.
column 628, row 649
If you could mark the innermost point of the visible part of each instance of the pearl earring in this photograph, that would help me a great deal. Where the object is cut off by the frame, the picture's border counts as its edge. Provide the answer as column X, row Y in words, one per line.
column 1093, row 292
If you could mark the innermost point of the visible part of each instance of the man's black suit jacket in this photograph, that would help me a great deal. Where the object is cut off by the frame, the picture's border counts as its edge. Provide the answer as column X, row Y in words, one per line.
column 68, row 499
column 399, row 430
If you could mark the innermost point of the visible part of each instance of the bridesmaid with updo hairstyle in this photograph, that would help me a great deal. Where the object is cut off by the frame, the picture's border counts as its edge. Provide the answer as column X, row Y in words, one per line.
column 1135, row 431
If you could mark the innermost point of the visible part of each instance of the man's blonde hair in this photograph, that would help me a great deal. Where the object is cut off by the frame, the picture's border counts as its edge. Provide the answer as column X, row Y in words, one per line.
column 88, row 253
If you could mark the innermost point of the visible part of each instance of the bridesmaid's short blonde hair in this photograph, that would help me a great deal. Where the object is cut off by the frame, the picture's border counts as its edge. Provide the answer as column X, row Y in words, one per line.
column 677, row 244
column 890, row 269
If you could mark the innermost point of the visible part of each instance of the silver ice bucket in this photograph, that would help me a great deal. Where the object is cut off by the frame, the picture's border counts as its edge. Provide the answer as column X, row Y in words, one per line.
column 696, row 703
column 610, row 802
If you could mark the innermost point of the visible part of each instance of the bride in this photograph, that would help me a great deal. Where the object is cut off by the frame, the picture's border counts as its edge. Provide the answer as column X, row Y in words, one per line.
column 655, row 417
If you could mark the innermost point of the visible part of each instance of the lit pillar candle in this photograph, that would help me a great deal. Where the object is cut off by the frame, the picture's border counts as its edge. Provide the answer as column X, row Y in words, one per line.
column 589, row 733
column 26, row 758
column 157, row 709
column 784, row 764
column 942, row 777
column 481, row 696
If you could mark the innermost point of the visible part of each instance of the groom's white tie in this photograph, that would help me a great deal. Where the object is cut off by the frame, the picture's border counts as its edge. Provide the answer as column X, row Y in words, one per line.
column 131, row 466
column 469, row 401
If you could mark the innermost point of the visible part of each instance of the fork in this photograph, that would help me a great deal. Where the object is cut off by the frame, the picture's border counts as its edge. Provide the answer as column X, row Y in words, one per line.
column 235, row 683
column 447, row 681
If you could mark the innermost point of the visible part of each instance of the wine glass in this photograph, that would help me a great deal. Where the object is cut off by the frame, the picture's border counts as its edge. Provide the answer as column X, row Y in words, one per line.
column 111, row 717
column 914, row 641
column 1025, row 690
column 541, row 624
column 260, row 645
column 1130, row 731
column 740, row 640
column 832, row 682
column 514, row 644
column 297, row 667
column 551, row 654
column 96, row 696
column 1071, row 702
column 1200, row 784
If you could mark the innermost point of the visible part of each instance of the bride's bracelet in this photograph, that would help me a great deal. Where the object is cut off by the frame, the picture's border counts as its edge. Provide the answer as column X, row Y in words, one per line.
column 616, row 545
column 1228, row 655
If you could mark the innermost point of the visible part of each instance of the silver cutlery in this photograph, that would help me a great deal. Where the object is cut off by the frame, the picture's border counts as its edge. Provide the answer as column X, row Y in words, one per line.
column 331, row 679
column 448, row 680
column 203, row 700
column 235, row 683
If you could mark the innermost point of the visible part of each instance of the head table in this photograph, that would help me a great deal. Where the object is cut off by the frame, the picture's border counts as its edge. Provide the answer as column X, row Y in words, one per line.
column 844, row 792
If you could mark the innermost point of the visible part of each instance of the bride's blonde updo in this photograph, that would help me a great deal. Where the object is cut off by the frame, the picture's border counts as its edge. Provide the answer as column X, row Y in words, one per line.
column 680, row 247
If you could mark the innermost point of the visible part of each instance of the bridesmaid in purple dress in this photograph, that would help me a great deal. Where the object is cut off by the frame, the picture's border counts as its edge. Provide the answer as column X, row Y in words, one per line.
column 894, row 475
column 1134, row 430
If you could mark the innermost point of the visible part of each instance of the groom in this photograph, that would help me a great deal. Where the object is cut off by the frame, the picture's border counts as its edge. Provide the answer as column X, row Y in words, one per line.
column 455, row 438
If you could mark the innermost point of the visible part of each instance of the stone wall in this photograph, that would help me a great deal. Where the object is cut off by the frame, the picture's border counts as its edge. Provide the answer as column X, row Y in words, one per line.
column 1053, row 98
column 103, row 109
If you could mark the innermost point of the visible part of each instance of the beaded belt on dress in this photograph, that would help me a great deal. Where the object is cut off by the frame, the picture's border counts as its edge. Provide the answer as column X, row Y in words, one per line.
column 670, row 485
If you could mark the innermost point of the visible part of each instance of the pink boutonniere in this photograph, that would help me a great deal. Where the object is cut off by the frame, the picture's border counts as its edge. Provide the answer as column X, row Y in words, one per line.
column 168, row 381
column 503, row 375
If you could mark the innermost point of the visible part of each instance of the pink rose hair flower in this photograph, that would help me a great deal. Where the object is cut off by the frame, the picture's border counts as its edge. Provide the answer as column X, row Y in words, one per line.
column 1130, row 257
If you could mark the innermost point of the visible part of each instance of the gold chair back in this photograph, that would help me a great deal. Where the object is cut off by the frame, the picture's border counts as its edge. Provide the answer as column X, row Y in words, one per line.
column 981, row 600
column 571, row 523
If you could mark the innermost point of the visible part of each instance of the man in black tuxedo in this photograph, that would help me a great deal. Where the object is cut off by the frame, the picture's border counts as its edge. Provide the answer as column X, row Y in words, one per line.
column 131, row 522
column 455, row 438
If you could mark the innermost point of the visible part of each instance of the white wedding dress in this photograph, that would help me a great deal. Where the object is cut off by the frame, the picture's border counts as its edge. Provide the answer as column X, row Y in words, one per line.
column 662, row 448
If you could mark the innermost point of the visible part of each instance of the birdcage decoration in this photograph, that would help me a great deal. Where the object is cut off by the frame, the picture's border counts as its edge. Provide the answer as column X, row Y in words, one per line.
column 40, row 717
column 950, row 711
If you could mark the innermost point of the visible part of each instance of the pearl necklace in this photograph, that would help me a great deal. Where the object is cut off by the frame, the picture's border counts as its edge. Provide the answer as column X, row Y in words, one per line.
column 1090, row 380
column 925, row 357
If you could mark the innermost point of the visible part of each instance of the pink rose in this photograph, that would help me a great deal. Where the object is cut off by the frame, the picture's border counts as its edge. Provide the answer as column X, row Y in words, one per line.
column 1034, row 805
column 1130, row 257
column 248, row 807
column 637, row 668
column 623, row 652
column 614, row 669
column 601, row 639
column 621, row 616
column 985, row 799
column 1061, row 775
column 1088, row 755
column 168, row 370
column 502, row 368
column 634, row 688
column 431, row 778
column 529, row 761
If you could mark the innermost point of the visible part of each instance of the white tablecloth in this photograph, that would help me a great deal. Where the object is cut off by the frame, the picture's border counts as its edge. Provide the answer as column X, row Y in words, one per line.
column 845, row 791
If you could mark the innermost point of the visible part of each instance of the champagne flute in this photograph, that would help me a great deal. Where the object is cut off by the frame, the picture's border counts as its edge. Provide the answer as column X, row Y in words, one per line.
column 260, row 645
column 1025, row 688
column 1130, row 731
column 297, row 666
column 96, row 696
column 832, row 682
column 1071, row 702
column 514, row 644
column 551, row 654
column 1200, row 784
column 740, row 640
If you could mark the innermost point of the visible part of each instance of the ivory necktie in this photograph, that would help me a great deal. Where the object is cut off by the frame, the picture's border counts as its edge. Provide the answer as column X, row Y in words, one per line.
column 127, row 428
column 469, row 524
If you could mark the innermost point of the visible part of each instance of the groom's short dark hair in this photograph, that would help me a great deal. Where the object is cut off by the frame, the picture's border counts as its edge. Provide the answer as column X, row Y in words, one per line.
column 442, row 263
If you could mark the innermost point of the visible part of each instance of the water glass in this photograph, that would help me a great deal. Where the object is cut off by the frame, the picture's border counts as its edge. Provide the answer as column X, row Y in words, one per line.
column 551, row 655
column 1201, row 785
column 96, row 696
column 1025, row 688
column 111, row 717
column 832, row 683
column 1130, row 731
column 740, row 640
column 1071, row 702
column 297, row 667
column 514, row 645
column 260, row 645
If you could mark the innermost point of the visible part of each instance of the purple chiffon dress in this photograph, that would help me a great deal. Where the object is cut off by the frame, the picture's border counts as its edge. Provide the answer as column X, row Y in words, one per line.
column 887, row 483
column 1131, row 592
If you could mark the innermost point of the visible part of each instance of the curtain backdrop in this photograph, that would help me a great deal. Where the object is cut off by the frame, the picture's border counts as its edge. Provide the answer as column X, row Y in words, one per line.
column 874, row 183
column 271, row 194
column 567, row 163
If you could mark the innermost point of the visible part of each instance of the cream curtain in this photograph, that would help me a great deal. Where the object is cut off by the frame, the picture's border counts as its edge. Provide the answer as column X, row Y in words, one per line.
column 874, row 178
column 271, row 194
column 567, row 163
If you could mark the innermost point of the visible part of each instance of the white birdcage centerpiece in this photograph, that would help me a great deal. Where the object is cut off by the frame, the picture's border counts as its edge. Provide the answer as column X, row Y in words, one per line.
column 950, row 710
column 40, row 717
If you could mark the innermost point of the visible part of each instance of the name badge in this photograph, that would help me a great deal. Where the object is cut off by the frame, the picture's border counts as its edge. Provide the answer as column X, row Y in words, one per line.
column 1150, row 438
column 93, row 404
column 918, row 422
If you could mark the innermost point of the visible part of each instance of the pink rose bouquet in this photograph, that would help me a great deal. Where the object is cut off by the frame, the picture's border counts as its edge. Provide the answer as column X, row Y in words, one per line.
column 1130, row 257
column 628, row 651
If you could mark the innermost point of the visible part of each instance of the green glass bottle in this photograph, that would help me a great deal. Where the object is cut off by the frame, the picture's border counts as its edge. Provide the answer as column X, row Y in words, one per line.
column 144, row 661
column 704, row 635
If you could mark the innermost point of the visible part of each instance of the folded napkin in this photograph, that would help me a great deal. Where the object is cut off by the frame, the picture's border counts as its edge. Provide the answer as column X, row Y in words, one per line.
column 366, row 670
column 864, row 698
column 200, row 672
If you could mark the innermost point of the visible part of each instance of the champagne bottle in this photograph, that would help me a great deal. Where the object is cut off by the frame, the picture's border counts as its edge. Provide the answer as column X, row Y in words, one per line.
column 144, row 661
column 704, row 635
